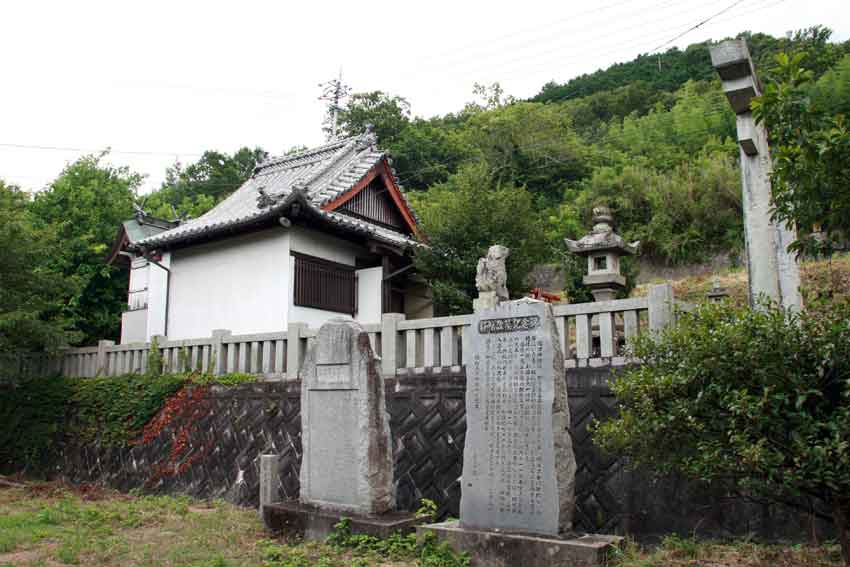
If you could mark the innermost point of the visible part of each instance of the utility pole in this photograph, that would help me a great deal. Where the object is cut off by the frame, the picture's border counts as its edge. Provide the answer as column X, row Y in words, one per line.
column 772, row 269
column 334, row 92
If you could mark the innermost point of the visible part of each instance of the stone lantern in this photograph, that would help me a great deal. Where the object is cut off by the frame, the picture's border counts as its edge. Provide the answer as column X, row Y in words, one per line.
column 717, row 293
column 603, row 248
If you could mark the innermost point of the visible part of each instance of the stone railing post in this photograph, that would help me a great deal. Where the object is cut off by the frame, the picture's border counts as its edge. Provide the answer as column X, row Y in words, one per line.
column 101, row 368
column 389, row 343
column 293, row 350
column 661, row 306
column 219, row 358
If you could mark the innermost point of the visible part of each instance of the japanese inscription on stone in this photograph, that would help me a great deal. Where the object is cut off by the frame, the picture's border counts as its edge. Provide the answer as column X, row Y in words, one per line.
column 518, row 468
column 347, row 454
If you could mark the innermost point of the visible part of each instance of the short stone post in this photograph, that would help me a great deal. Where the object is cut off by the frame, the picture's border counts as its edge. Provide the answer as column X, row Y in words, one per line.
column 101, row 357
column 269, row 482
column 219, row 362
column 389, row 343
column 293, row 350
column 661, row 306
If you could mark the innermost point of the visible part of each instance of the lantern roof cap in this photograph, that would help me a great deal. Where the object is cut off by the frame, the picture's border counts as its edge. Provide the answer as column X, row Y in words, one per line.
column 602, row 237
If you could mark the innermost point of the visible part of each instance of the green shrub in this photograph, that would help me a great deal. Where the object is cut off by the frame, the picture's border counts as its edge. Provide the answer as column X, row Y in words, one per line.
column 759, row 398
column 155, row 361
column 31, row 414
column 114, row 408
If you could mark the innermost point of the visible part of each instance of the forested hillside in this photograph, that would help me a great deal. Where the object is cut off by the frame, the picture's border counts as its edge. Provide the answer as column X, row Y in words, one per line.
column 653, row 138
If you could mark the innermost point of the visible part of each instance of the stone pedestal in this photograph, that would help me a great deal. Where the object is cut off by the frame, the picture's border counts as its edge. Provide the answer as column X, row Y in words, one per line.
column 489, row 548
column 314, row 523
column 485, row 300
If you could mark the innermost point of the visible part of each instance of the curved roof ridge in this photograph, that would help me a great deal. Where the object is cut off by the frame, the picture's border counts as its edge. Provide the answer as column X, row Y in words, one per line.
column 281, row 160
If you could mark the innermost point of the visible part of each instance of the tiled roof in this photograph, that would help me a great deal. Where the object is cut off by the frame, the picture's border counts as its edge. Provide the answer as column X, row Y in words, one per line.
column 314, row 177
column 144, row 226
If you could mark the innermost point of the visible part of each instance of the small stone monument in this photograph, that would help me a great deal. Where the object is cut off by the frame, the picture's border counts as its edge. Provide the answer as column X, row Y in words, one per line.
column 347, row 458
column 717, row 293
column 518, row 482
column 491, row 278
column 603, row 248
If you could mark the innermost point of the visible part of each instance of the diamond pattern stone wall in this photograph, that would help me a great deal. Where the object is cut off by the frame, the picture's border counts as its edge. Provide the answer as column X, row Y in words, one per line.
column 427, row 419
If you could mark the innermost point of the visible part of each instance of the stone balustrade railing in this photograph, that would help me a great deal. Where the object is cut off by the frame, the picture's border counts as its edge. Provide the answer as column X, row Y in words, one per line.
column 592, row 334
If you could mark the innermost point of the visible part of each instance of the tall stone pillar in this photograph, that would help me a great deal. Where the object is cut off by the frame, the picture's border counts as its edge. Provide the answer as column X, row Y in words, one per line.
column 772, row 268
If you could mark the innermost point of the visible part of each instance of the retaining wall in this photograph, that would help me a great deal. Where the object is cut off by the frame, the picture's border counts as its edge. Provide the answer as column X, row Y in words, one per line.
column 428, row 428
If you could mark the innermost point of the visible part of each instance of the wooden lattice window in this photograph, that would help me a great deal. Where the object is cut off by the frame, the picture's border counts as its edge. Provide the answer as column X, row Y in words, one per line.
column 322, row 284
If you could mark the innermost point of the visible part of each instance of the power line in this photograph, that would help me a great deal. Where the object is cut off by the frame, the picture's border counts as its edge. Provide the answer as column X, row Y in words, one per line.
column 91, row 150
column 692, row 28
column 519, row 65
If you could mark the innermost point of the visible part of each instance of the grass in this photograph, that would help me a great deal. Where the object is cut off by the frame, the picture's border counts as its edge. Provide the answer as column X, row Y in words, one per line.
column 676, row 551
column 823, row 277
column 51, row 525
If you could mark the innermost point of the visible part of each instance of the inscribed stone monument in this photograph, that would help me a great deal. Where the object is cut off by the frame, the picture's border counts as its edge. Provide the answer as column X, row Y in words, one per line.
column 518, row 462
column 345, row 434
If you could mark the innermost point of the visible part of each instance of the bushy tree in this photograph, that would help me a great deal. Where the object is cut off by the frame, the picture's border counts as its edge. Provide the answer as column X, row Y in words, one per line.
column 426, row 152
column 698, row 121
column 192, row 190
column 462, row 218
column 31, row 314
column 680, row 215
column 757, row 398
column 831, row 93
column 811, row 156
column 84, row 207
column 387, row 114
column 529, row 144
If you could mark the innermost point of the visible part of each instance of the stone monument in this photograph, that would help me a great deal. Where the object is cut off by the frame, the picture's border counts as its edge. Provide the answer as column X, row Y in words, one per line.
column 347, row 458
column 772, row 268
column 518, row 483
column 491, row 278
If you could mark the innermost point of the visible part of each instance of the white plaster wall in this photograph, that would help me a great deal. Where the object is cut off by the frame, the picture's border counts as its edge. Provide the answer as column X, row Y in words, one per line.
column 240, row 284
column 134, row 326
column 369, row 295
column 137, row 296
column 323, row 245
column 157, row 292
column 331, row 248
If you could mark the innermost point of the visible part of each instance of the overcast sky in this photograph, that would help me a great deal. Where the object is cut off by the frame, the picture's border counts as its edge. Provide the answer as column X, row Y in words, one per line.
column 171, row 79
